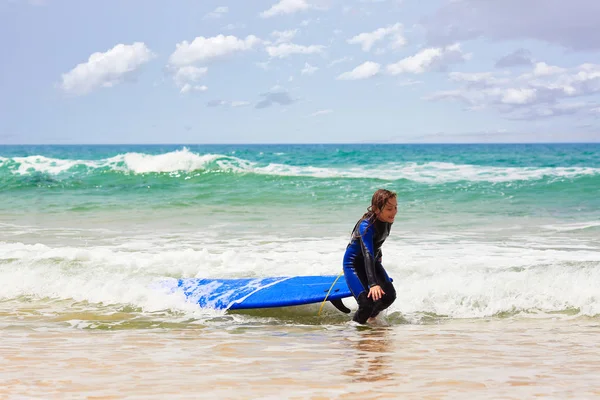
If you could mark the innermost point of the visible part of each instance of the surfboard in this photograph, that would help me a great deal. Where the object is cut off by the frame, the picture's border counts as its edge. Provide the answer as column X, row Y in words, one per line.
column 246, row 293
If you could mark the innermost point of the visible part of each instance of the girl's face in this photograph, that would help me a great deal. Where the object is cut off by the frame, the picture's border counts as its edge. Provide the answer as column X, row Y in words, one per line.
column 388, row 213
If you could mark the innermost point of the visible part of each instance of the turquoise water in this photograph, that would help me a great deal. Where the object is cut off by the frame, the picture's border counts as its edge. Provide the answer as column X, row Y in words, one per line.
column 484, row 179
column 482, row 230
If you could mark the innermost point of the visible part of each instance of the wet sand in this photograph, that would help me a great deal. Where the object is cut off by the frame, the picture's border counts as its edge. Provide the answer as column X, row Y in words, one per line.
column 512, row 358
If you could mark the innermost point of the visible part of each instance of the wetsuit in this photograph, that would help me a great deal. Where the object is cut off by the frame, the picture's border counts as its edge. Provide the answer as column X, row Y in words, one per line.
column 363, row 269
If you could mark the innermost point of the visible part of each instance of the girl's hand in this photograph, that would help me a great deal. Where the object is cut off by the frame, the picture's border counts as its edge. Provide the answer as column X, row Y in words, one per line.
column 376, row 292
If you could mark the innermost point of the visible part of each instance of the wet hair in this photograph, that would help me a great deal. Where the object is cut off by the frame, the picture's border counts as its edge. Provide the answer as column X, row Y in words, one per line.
column 378, row 202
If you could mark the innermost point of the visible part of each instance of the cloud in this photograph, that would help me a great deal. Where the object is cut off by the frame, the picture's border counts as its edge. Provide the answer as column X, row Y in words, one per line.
column 308, row 69
column 106, row 69
column 364, row 71
column 193, row 88
column 366, row 40
column 284, row 36
column 306, row 22
column 502, row 136
column 551, row 110
column 202, row 49
column 321, row 112
column 186, row 78
column 429, row 59
column 545, row 91
column 572, row 24
column 284, row 50
column 478, row 79
column 543, row 69
column 286, row 7
column 227, row 103
column 217, row 13
column 516, row 58
column 275, row 96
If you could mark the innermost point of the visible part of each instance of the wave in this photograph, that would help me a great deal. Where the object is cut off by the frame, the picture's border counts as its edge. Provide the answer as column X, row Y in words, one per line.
column 452, row 281
column 184, row 163
column 579, row 226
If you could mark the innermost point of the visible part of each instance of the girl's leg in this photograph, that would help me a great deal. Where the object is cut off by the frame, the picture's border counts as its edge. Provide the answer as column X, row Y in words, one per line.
column 388, row 288
column 365, row 304
column 386, row 300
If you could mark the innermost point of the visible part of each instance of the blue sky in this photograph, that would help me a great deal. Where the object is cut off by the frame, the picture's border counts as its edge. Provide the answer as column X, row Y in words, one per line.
column 299, row 71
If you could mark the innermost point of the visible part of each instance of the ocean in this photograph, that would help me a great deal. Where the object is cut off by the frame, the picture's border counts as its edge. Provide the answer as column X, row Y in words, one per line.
column 493, row 244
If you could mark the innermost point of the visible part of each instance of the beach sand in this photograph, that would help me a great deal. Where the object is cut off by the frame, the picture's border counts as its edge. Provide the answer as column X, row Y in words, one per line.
column 511, row 358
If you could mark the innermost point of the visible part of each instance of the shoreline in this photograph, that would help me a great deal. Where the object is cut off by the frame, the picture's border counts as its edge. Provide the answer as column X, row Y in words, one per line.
column 511, row 358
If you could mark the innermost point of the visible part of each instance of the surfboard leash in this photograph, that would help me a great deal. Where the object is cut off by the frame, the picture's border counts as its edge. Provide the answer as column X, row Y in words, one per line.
column 329, row 291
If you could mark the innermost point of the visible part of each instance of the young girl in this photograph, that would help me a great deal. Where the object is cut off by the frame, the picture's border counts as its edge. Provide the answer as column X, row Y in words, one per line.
column 366, row 277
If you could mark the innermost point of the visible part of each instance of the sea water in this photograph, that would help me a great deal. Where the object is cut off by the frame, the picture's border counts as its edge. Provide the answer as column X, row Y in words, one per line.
column 487, row 238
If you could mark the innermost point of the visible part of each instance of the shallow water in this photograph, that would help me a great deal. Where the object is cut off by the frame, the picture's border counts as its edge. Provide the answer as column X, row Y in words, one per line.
column 512, row 358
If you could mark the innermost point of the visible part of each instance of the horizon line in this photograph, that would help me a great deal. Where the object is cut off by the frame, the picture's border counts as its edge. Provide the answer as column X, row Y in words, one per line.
column 288, row 144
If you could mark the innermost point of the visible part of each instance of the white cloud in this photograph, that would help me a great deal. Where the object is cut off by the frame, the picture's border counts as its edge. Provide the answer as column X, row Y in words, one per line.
column 286, row 7
column 428, row 60
column 308, row 69
column 366, row 40
column 309, row 21
column 546, row 91
column 106, row 69
column 287, row 49
column 217, row 13
column 189, row 88
column 284, row 36
column 203, row 49
column 227, row 103
column 518, row 96
column 186, row 78
column 321, row 112
column 572, row 24
column 363, row 71
column 543, row 69
column 478, row 79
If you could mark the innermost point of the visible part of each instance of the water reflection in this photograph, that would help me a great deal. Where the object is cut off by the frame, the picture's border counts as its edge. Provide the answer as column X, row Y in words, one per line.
column 373, row 350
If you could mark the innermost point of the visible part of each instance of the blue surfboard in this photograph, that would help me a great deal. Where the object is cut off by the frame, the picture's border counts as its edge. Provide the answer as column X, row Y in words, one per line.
column 246, row 293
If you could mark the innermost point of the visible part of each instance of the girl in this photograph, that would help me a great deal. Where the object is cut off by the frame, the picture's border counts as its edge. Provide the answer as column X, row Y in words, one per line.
column 365, row 276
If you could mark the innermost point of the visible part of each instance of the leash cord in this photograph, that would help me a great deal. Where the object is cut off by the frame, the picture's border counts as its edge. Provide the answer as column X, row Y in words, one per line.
column 329, row 291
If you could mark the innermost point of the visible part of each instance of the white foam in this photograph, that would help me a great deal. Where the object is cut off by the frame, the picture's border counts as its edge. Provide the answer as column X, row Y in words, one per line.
column 463, row 278
column 48, row 165
column 180, row 160
column 185, row 161
column 572, row 227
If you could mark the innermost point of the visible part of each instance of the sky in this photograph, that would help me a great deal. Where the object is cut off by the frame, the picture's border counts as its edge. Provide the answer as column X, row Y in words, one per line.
column 299, row 71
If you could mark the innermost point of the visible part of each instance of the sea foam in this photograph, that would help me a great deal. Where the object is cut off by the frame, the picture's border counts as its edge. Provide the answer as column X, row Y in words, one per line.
column 184, row 161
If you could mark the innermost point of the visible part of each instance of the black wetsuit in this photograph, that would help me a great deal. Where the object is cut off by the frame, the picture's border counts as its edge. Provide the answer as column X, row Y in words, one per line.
column 363, row 269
